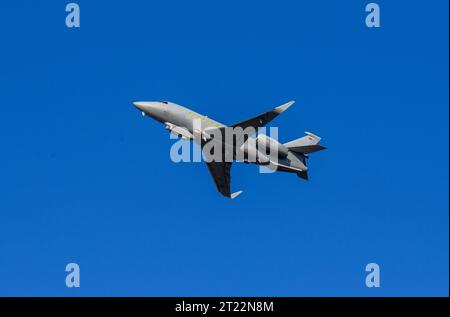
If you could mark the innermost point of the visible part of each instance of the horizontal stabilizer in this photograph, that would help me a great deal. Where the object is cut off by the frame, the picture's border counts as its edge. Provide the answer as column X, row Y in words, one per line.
column 307, row 149
column 279, row 166
column 305, row 145
column 303, row 174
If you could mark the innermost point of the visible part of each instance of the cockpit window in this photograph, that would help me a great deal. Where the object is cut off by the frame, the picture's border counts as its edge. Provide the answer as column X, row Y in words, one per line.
column 163, row 101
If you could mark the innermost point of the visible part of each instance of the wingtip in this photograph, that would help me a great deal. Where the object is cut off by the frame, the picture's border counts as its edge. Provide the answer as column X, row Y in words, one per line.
column 234, row 195
column 284, row 107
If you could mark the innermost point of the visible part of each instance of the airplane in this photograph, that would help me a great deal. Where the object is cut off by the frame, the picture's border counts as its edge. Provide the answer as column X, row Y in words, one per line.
column 288, row 157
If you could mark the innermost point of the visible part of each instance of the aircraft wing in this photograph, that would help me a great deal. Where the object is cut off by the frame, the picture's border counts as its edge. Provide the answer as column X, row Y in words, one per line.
column 220, row 172
column 265, row 118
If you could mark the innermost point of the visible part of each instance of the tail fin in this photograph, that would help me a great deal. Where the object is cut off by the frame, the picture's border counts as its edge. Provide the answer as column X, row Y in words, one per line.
column 305, row 145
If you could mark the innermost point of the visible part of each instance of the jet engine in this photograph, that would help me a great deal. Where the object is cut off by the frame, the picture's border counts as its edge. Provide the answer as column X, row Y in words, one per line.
column 268, row 146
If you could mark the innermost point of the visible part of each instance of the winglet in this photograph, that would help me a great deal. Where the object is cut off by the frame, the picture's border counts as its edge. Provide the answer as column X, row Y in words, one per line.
column 234, row 195
column 284, row 107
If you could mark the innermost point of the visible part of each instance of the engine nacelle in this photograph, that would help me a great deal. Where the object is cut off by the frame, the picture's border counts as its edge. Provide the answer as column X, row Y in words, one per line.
column 268, row 146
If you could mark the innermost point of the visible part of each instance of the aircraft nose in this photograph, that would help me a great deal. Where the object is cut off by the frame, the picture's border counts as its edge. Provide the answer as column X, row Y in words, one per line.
column 153, row 109
column 139, row 105
column 143, row 105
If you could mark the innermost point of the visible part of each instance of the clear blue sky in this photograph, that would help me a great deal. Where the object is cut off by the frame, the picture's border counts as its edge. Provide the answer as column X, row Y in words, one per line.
column 84, row 178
